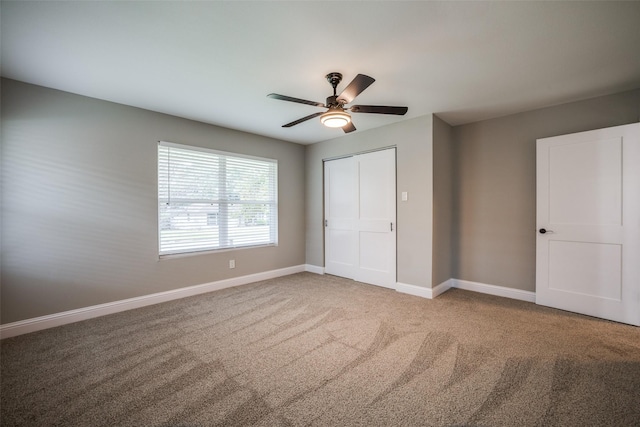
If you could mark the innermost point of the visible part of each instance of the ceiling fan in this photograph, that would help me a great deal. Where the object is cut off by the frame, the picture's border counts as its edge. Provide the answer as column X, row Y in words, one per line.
column 337, row 116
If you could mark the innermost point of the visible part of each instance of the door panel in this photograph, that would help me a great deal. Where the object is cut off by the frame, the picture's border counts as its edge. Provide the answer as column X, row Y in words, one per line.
column 340, row 252
column 376, row 185
column 590, row 190
column 588, row 198
column 340, row 234
column 376, row 217
column 372, row 259
column 592, row 269
column 340, row 183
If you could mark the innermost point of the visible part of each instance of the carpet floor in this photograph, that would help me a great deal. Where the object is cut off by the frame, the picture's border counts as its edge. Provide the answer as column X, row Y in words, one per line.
column 311, row 350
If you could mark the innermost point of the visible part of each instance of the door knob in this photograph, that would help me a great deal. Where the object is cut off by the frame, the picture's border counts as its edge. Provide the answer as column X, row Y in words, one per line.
column 544, row 231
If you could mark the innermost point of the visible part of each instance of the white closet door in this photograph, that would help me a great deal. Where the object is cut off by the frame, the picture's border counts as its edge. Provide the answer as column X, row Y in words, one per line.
column 588, row 223
column 376, row 218
column 360, row 218
column 340, row 192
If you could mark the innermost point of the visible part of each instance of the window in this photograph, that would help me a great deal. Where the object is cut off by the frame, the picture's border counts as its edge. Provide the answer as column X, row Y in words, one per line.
column 211, row 200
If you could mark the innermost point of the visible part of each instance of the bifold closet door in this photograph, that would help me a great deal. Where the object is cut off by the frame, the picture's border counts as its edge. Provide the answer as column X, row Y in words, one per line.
column 360, row 218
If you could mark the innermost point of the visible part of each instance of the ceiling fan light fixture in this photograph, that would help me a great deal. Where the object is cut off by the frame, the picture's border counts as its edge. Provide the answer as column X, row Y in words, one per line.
column 335, row 118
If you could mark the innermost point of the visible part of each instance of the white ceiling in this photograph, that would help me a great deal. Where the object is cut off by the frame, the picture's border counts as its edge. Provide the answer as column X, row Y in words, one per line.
column 216, row 61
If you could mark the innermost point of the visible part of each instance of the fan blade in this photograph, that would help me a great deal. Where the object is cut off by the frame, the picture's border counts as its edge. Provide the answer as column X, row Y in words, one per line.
column 355, row 88
column 304, row 119
column 349, row 127
column 379, row 109
column 298, row 100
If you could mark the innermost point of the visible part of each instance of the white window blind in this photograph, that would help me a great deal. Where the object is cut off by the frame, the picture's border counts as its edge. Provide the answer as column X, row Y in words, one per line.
column 211, row 200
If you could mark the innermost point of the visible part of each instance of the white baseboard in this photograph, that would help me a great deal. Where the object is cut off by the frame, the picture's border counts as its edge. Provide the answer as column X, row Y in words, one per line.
column 442, row 288
column 423, row 292
column 414, row 290
column 52, row 320
column 499, row 291
column 313, row 269
column 466, row 285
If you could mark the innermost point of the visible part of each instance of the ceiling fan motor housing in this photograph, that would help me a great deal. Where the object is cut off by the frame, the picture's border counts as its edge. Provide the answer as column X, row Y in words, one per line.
column 332, row 101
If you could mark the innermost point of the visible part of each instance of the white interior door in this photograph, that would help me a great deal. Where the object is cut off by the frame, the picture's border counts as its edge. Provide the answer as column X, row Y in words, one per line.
column 588, row 223
column 360, row 218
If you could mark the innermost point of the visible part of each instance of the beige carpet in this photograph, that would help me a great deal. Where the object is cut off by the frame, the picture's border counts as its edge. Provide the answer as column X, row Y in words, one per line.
column 325, row 351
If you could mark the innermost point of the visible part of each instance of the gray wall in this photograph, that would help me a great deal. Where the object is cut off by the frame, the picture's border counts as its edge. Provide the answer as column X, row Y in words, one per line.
column 495, row 190
column 79, row 203
column 413, row 139
column 443, row 159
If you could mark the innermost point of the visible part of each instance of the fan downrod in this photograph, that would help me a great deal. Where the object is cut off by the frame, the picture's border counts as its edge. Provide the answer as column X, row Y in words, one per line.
column 334, row 80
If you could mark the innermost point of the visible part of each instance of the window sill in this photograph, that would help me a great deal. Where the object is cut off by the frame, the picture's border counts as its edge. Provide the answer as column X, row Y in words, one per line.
column 212, row 251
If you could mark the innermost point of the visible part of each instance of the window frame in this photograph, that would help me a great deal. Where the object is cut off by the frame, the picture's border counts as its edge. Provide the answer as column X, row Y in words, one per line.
column 222, row 201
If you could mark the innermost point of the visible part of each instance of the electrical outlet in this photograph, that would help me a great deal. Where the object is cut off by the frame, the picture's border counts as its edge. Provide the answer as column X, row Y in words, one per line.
column 232, row 263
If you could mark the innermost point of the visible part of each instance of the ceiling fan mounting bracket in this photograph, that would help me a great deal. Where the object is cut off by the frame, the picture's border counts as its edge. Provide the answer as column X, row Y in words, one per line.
column 334, row 80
